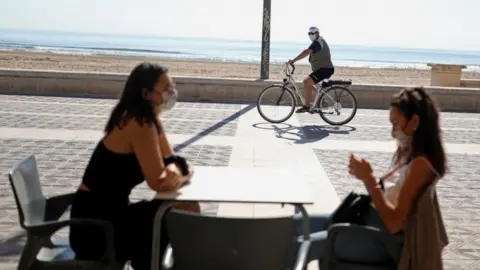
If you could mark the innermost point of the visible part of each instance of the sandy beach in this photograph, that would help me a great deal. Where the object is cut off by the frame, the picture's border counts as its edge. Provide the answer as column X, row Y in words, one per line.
column 50, row 61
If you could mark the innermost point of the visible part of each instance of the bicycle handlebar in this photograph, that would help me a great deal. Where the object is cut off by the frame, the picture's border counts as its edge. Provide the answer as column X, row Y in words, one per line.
column 293, row 67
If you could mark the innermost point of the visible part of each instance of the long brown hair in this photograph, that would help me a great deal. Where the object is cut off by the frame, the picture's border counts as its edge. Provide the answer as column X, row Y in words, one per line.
column 132, row 103
column 427, row 139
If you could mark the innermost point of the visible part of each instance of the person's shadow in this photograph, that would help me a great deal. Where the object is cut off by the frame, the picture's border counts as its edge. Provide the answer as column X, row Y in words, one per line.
column 304, row 134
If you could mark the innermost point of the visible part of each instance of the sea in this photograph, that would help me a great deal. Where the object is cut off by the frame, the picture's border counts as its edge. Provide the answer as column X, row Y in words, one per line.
column 226, row 50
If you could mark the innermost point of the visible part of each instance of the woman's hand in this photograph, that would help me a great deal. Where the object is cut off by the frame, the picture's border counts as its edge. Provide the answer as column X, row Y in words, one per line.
column 193, row 206
column 172, row 178
column 189, row 176
column 361, row 169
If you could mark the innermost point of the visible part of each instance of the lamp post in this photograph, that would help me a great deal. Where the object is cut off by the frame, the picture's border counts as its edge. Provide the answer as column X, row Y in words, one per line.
column 265, row 60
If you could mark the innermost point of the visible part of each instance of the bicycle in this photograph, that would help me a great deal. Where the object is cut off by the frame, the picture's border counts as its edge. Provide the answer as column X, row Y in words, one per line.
column 325, row 89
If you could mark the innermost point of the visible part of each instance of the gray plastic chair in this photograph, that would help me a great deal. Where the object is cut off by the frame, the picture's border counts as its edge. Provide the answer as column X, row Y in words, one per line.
column 332, row 262
column 39, row 216
column 219, row 243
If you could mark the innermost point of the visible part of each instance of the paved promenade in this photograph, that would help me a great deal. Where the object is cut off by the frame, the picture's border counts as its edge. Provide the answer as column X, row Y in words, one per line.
column 62, row 133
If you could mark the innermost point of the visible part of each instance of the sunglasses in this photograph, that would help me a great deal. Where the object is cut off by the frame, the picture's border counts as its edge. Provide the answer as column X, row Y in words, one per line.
column 311, row 33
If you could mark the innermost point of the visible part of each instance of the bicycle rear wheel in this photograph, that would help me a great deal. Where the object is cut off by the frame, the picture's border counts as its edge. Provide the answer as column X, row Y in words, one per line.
column 331, row 108
column 276, row 103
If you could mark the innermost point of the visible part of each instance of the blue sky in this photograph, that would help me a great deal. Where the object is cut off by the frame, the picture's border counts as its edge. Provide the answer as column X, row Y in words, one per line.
column 442, row 24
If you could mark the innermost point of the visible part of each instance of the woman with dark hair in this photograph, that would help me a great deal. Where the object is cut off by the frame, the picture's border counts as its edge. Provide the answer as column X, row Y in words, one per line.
column 133, row 149
column 418, row 163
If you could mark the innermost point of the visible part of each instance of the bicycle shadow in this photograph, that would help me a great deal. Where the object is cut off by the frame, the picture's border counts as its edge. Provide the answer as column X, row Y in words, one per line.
column 304, row 134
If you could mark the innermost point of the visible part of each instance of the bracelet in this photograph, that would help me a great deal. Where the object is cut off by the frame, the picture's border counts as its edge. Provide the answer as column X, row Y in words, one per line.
column 373, row 187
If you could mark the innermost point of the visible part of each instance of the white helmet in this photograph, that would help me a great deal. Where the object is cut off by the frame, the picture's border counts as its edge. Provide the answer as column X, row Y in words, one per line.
column 313, row 29
column 313, row 33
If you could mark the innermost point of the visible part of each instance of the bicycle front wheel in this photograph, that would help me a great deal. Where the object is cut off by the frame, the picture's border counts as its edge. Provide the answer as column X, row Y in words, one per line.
column 276, row 104
column 337, row 106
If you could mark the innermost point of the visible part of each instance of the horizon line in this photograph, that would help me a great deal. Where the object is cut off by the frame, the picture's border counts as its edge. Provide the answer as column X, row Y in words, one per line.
column 224, row 39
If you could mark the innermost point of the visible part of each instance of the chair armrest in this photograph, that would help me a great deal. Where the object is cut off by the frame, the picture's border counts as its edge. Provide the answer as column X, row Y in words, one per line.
column 343, row 227
column 167, row 262
column 302, row 255
column 336, row 229
column 57, row 205
column 48, row 228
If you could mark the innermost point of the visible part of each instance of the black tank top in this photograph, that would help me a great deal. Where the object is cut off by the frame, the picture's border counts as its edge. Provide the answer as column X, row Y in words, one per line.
column 112, row 175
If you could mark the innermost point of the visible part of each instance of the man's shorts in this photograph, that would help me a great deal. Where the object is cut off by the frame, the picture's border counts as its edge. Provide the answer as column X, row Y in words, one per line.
column 321, row 74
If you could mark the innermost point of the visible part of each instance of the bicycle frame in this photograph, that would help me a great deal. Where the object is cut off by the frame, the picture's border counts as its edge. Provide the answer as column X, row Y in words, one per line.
column 290, row 80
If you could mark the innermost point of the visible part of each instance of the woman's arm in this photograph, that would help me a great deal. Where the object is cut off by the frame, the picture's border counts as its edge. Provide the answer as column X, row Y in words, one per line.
column 419, row 176
column 145, row 144
column 168, row 154
column 167, row 151
column 164, row 144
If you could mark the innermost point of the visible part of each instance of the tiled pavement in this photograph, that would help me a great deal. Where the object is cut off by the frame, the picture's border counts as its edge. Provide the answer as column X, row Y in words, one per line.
column 62, row 132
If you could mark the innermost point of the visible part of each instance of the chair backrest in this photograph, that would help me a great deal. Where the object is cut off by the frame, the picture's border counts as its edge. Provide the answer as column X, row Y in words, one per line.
column 25, row 181
column 206, row 242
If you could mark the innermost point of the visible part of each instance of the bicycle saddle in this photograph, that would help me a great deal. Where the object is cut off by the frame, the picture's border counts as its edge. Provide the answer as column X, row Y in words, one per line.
column 327, row 82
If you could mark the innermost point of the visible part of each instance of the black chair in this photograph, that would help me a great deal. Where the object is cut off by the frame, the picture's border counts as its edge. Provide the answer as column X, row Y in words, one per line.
column 422, row 210
column 332, row 262
column 39, row 217
column 220, row 243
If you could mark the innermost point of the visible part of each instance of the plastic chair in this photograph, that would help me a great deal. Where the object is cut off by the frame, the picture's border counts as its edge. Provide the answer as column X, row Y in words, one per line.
column 219, row 243
column 332, row 262
column 39, row 217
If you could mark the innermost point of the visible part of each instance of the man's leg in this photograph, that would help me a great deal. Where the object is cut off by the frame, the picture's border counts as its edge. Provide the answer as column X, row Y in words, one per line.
column 308, row 89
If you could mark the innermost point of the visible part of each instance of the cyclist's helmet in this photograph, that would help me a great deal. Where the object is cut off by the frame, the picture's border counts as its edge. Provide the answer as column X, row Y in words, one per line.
column 313, row 33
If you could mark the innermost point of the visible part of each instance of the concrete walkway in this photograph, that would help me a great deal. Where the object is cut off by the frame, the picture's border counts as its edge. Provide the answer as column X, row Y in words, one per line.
column 62, row 133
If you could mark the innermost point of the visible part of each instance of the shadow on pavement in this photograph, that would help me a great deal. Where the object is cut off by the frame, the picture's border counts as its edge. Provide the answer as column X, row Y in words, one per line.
column 12, row 246
column 211, row 129
column 304, row 134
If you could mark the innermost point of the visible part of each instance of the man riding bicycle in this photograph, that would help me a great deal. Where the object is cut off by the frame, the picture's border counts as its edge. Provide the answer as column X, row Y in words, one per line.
column 321, row 62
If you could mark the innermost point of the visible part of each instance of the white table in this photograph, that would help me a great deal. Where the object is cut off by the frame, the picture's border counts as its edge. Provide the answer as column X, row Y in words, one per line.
column 244, row 185
column 236, row 185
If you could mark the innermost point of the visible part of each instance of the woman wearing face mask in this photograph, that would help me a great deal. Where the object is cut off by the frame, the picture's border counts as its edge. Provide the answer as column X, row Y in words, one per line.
column 418, row 163
column 133, row 149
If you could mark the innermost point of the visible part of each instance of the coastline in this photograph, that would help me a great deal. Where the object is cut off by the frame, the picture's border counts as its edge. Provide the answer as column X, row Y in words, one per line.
column 124, row 64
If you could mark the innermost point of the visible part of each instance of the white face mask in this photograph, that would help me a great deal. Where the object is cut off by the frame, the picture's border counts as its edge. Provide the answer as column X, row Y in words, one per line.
column 312, row 37
column 169, row 100
column 403, row 140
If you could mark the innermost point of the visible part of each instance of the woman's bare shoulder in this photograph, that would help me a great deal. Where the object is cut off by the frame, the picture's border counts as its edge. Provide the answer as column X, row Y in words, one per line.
column 133, row 127
column 422, row 171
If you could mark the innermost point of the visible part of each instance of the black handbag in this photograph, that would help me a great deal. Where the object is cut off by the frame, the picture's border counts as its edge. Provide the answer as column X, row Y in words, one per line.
column 352, row 209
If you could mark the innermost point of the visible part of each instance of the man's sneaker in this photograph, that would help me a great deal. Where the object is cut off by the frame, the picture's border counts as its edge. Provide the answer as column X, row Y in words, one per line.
column 303, row 109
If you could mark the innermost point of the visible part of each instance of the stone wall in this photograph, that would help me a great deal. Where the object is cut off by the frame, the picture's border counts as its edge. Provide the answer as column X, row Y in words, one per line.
column 470, row 83
column 33, row 82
